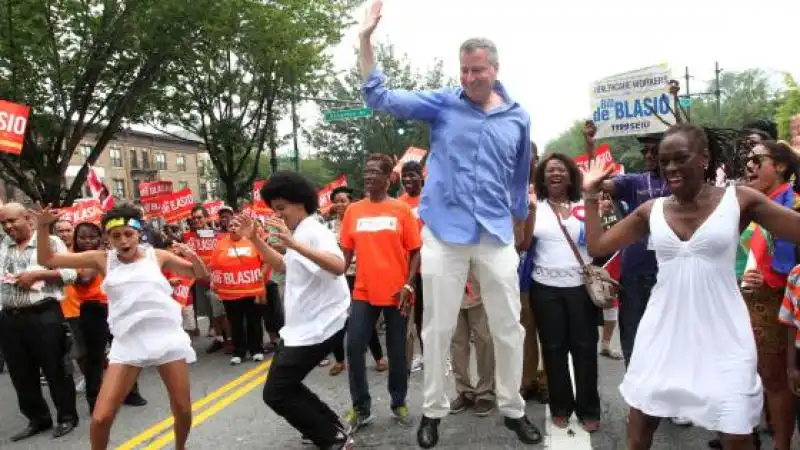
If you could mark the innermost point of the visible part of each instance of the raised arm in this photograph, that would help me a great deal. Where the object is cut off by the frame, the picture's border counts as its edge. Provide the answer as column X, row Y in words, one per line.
column 600, row 242
column 777, row 219
column 404, row 104
column 188, row 264
column 53, row 254
column 326, row 257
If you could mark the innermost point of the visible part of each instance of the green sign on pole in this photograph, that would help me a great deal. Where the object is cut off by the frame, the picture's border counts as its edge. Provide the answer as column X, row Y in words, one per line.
column 685, row 102
column 345, row 114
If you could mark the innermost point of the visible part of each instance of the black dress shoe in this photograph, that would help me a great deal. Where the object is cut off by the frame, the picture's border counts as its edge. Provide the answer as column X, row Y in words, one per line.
column 64, row 428
column 526, row 431
column 135, row 399
column 428, row 432
column 32, row 430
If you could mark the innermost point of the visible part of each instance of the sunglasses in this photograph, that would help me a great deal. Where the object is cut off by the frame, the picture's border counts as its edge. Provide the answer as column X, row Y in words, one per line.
column 758, row 159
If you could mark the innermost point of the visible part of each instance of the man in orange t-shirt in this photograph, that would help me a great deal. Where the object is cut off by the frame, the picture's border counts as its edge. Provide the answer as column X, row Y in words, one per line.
column 412, row 177
column 384, row 237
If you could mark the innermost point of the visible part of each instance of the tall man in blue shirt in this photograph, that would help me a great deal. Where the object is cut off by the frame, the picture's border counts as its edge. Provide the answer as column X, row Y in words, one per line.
column 477, row 187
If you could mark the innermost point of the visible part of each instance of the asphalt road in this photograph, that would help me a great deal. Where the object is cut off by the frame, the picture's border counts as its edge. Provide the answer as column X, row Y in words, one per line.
column 229, row 413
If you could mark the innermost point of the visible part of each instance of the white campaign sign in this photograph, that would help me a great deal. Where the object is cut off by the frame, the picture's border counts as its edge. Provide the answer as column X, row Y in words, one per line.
column 629, row 103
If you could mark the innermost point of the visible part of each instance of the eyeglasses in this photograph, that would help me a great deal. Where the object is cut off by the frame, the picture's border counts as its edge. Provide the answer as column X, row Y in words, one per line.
column 758, row 159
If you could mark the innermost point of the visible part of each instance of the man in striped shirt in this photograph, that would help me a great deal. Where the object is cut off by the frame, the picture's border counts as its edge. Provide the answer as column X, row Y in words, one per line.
column 33, row 333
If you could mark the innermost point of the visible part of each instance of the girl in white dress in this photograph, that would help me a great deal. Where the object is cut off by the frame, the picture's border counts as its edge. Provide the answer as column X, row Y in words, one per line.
column 144, row 319
column 695, row 354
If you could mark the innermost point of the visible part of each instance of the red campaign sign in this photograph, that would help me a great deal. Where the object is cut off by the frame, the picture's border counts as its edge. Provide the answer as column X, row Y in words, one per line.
column 602, row 154
column 149, row 189
column 258, row 204
column 13, row 123
column 177, row 205
column 83, row 211
column 151, row 206
column 213, row 208
column 325, row 193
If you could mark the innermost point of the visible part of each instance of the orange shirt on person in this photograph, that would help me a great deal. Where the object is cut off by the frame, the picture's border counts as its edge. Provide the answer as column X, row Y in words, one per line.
column 181, row 287
column 381, row 235
column 236, row 269
column 91, row 291
column 70, row 305
column 203, row 246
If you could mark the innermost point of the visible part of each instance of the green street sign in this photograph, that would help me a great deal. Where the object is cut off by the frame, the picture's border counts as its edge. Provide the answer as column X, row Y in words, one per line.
column 346, row 114
column 685, row 102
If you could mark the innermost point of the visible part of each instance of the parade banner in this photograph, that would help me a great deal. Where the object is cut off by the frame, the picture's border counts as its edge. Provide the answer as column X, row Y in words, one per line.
column 412, row 154
column 99, row 189
column 149, row 189
column 627, row 104
column 603, row 155
column 177, row 205
column 151, row 206
column 325, row 193
column 13, row 123
column 258, row 205
column 213, row 208
column 83, row 211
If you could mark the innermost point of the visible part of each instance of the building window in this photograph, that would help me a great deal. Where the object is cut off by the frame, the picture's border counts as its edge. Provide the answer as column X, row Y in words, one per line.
column 182, row 185
column 134, row 156
column 145, row 158
column 118, row 188
column 116, row 157
column 161, row 161
column 180, row 161
column 204, row 191
column 85, row 150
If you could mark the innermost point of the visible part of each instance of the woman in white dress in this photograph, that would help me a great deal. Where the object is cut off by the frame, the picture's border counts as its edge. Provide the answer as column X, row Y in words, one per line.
column 144, row 319
column 695, row 354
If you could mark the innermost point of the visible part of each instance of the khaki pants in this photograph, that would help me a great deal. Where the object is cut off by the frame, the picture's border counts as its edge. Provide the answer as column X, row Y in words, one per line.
column 472, row 321
column 530, row 359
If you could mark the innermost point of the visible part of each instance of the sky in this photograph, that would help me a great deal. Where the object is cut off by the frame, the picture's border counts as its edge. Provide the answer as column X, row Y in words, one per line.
column 550, row 52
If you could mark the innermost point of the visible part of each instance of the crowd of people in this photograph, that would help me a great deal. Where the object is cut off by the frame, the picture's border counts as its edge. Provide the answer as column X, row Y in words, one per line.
column 492, row 250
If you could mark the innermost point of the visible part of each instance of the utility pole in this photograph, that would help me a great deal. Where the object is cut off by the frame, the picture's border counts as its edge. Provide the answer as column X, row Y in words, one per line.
column 294, row 130
column 688, row 95
column 717, row 92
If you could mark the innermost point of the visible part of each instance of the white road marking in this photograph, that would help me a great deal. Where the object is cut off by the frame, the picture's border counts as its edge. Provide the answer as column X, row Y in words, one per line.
column 574, row 437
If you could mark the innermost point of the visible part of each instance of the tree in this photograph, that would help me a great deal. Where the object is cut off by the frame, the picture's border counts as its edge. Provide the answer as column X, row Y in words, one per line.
column 788, row 108
column 83, row 65
column 250, row 60
column 344, row 145
column 626, row 150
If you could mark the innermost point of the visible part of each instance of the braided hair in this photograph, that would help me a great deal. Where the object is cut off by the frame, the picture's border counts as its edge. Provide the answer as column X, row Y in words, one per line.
column 719, row 142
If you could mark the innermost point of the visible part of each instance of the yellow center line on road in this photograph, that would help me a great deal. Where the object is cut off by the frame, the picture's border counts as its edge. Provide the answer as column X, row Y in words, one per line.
column 167, row 423
column 212, row 410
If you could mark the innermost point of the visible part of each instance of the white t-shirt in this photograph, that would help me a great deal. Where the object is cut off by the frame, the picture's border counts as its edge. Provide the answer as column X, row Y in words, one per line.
column 315, row 301
column 553, row 260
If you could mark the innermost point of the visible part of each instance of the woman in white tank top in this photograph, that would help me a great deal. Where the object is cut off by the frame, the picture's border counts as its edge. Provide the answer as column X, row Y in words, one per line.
column 144, row 319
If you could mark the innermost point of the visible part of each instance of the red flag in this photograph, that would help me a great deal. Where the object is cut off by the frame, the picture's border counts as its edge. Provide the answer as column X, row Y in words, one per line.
column 99, row 190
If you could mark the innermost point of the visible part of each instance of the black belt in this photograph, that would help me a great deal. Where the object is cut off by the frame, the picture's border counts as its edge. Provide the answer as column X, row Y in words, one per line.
column 43, row 306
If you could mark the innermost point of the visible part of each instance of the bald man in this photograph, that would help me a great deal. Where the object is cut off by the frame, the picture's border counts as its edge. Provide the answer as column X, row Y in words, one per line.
column 33, row 334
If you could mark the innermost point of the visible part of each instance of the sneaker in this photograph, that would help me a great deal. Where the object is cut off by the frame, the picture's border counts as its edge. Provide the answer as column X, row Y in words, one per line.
column 355, row 420
column 460, row 404
column 416, row 363
column 484, row 407
column 258, row 357
column 400, row 414
column 681, row 421
column 80, row 385
column 235, row 361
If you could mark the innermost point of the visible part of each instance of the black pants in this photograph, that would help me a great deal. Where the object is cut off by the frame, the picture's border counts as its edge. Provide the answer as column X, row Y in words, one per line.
column 36, row 339
column 374, row 341
column 566, row 320
column 96, row 335
column 634, row 296
column 272, row 312
column 244, row 317
column 418, row 305
column 286, row 394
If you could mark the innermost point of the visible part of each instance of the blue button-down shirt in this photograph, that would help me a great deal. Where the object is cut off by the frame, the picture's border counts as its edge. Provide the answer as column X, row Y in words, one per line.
column 479, row 162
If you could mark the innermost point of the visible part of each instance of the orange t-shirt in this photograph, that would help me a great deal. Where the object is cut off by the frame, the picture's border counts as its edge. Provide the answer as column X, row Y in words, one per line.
column 413, row 203
column 203, row 246
column 92, row 291
column 182, row 290
column 236, row 269
column 70, row 305
column 381, row 235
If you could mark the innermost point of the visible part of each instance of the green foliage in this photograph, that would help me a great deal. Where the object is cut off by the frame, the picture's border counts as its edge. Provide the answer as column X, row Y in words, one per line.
column 789, row 107
column 233, row 87
column 83, row 65
column 344, row 145
column 626, row 150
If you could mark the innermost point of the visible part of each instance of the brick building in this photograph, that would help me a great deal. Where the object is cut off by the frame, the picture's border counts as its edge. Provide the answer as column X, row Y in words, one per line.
column 135, row 155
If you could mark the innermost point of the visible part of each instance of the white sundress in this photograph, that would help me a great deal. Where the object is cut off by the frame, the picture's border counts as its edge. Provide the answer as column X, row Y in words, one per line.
column 695, row 353
column 143, row 317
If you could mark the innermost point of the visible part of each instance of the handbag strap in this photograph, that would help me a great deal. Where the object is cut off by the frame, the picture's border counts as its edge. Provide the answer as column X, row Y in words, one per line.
column 568, row 237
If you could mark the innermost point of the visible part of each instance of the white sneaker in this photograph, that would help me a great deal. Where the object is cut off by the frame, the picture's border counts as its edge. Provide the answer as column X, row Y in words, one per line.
column 258, row 357
column 80, row 385
column 681, row 421
column 235, row 361
column 416, row 363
